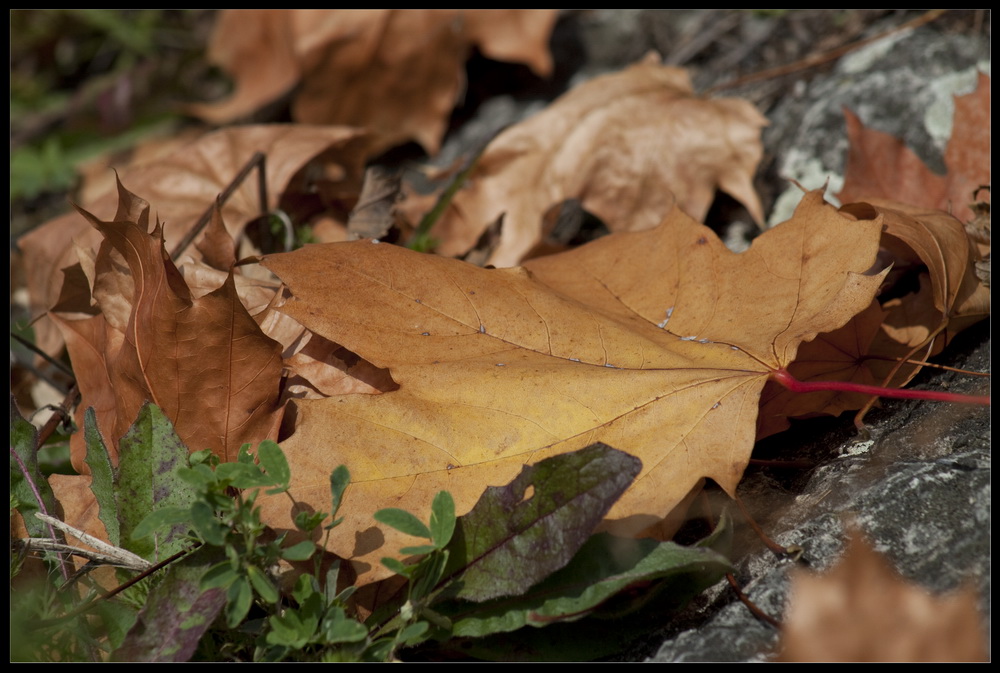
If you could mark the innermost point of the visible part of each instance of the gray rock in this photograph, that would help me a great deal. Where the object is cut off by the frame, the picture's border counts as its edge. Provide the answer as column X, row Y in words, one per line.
column 903, row 85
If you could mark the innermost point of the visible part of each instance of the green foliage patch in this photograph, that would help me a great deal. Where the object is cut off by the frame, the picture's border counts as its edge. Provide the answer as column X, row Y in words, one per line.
column 523, row 558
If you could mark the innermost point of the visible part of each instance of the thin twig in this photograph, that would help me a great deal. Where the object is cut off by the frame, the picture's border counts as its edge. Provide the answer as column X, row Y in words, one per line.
column 45, row 356
column 925, row 363
column 30, row 544
column 72, row 397
column 751, row 606
column 791, row 464
column 768, row 542
column 819, row 59
column 256, row 161
column 86, row 607
column 421, row 234
column 928, row 343
column 122, row 557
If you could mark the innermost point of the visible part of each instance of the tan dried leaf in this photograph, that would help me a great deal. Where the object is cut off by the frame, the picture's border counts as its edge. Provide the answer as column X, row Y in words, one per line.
column 502, row 367
column 395, row 72
column 862, row 610
column 626, row 145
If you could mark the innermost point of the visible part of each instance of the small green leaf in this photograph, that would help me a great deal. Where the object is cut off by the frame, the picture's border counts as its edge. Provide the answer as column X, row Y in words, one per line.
column 431, row 571
column 207, row 525
column 309, row 521
column 305, row 586
column 116, row 620
column 287, row 630
column 102, row 482
column 339, row 479
column 418, row 551
column 199, row 475
column 397, row 567
column 296, row 628
column 240, row 597
column 204, row 456
column 337, row 627
column 302, row 551
column 161, row 518
column 244, row 456
column 273, row 460
column 380, row 650
column 241, row 475
column 413, row 633
column 262, row 584
column 219, row 576
column 403, row 521
column 442, row 519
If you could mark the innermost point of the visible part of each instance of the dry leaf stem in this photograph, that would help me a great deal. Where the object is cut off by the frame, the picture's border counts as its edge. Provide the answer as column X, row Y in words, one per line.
column 751, row 606
column 764, row 537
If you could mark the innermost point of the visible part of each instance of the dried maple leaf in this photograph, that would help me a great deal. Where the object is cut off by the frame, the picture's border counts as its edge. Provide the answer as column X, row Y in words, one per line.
column 881, row 166
column 655, row 342
column 397, row 73
column 185, row 183
column 862, row 610
column 625, row 145
column 203, row 361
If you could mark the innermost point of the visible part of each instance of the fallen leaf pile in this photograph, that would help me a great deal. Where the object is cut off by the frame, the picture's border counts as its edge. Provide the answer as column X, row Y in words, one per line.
column 303, row 163
column 397, row 73
column 862, row 610
column 421, row 372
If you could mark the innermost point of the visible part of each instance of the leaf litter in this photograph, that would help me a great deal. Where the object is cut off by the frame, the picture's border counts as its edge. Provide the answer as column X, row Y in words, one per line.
column 658, row 342
column 396, row 73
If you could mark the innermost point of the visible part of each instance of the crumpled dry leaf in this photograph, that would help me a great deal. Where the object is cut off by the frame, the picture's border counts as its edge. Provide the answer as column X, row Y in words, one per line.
column 395, row 72
column 203, row 361
column 917, row 236
column 862, row 610
column 881, row 166
column 186, row 183
column 655, row 342
column 625, row 145
column 925, row 246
